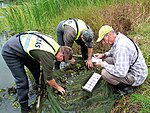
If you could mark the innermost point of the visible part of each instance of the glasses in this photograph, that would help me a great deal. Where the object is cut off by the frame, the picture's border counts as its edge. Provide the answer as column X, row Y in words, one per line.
column 105, row 38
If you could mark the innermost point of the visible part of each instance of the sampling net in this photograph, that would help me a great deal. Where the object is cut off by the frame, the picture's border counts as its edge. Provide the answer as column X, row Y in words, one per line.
column 78, row 100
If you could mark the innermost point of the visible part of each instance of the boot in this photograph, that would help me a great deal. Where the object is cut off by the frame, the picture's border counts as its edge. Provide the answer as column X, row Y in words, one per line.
column 25, row 108
column 123, row 89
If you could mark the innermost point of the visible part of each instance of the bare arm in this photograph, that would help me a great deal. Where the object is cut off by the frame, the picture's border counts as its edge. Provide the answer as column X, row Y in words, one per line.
column 89, row 63
column 56, row 86
column 46, row 59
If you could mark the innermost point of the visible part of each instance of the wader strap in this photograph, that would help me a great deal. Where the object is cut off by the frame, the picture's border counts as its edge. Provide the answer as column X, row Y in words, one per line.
column 76, row 25
column 37, row 36
column 137, row 53
column 87, row 26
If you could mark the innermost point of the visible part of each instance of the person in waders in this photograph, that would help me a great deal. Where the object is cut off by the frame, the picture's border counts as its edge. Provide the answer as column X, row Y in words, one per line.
column 123, row 65
column 75, row 30
column 31, row 49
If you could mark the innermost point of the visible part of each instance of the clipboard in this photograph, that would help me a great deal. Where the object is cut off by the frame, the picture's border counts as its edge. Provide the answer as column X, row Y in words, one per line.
column 91, row 83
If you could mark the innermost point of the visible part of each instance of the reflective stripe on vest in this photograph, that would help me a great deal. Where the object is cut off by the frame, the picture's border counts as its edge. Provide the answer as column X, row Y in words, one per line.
column 33, row 42
column 81, row 25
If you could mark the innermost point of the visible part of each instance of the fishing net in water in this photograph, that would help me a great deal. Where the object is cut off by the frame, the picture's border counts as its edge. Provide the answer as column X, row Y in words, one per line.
column 77, row 100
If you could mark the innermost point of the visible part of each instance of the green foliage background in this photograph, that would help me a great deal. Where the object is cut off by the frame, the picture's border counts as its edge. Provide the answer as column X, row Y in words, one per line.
column 130, row 17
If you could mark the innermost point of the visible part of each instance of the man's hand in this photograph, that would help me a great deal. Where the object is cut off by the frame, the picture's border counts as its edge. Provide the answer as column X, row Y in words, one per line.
column 89, row 64
column 61, row 89
column 56, row 86
column 99, row 56
column 98, row 63
column 72, row 61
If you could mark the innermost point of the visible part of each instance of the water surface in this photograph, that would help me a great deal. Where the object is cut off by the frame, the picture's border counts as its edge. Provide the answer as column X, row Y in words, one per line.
column 6, row 81
column 5, row 74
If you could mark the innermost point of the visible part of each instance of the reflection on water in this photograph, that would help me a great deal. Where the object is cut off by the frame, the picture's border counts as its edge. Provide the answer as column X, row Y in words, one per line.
column 6, row 81
column 6, row 106
column 5, row 74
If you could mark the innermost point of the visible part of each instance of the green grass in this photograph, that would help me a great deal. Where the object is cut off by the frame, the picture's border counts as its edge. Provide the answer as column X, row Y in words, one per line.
column 143, row 100
column 142, row 37
column 142, row 97
column 44, row 15
column 41, row 14
column 142, row 30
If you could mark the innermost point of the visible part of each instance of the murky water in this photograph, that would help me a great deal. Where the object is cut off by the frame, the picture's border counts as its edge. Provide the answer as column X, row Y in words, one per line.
column 6, row 81
column 5, row 74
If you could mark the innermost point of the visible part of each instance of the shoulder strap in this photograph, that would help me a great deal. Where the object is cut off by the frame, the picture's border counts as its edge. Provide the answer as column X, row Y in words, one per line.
column 87, row 26
column 37, row 36
column 136, row 50
column 76, row 24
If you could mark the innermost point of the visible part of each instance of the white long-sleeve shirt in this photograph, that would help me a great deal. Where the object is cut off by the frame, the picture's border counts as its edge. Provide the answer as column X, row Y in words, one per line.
column 124, row 54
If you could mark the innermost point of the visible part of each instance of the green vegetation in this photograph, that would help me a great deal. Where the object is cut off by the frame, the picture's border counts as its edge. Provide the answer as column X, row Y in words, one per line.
column 141, row 36
column 77, row 100
column 130, row 17
column 44, row 15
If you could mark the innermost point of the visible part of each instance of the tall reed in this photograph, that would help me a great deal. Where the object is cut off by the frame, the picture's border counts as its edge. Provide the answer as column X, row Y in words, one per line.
column 38, row 14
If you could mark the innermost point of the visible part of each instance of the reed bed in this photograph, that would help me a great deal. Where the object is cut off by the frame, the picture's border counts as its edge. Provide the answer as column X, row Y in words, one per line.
column 42, row 15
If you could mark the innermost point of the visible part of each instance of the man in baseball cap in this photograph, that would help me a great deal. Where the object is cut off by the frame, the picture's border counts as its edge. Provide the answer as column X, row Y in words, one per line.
column 88, row 36
column 123, row 65
column 103, row 31
column 76, row 30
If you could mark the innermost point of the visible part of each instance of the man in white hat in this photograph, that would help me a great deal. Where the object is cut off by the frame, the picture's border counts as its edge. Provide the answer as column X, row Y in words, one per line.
column 123, row 65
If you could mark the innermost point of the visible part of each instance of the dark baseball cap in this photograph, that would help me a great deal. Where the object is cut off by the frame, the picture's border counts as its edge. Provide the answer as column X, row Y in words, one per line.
column 88, row 36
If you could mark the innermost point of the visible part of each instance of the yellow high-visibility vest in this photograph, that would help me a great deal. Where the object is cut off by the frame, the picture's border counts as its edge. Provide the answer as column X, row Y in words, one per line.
column 77, row 24
column 35, row 41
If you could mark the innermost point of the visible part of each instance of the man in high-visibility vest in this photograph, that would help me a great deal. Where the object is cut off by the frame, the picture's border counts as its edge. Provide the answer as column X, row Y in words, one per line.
column 31, row 49
column 71, row 30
